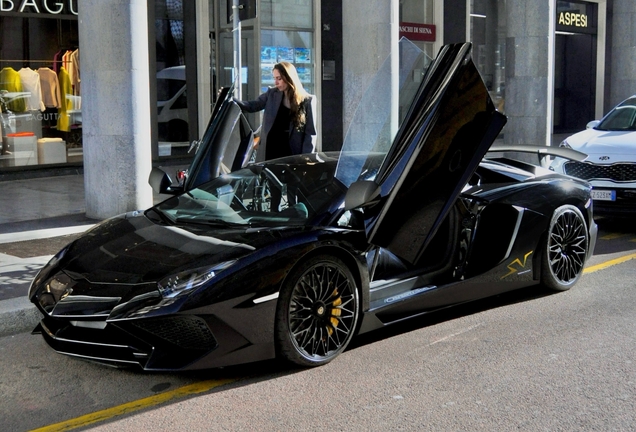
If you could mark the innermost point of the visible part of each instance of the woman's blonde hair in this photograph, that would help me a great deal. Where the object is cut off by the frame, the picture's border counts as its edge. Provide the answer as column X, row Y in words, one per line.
column 295, row 91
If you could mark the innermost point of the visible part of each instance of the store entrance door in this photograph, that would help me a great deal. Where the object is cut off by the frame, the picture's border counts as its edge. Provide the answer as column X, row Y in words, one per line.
column 574, row 81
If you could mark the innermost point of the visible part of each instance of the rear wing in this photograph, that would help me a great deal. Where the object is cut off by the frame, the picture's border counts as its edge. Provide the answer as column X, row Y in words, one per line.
column 543, row 152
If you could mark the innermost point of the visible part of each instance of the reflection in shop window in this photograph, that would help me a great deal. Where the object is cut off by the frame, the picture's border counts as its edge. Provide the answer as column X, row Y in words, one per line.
column 419, row 12
column 172, row 104
column 488, row 35
column 287, row 13
column 290, row 46
column 40, row 92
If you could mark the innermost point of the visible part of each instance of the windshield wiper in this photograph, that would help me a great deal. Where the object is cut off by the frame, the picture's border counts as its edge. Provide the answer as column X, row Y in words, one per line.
column 212, row 222
column 162, row 216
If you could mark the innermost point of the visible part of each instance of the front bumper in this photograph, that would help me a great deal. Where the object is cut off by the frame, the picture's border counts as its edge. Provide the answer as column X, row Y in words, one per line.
column 623, row 203
column 165, row 343
column 615, row 185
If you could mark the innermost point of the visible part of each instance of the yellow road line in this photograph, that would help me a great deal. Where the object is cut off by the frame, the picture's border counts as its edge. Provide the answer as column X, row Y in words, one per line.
column 609, row 263
column 137, row 405
column 612, row 236
column 204, row 386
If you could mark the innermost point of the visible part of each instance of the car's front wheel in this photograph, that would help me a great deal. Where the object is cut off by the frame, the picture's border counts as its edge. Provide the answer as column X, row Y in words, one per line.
column 565, row 249
column 317, row 311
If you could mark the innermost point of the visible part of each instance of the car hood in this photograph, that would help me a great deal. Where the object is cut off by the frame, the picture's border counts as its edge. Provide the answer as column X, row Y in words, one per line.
column 136, row 250
column 612, row 146
column 121, row 261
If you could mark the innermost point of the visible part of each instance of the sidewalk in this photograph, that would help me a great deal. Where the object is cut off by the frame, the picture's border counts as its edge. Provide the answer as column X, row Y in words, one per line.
column 38, row 217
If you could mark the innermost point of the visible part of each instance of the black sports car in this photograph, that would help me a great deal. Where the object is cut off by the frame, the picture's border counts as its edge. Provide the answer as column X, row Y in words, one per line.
column 293, row 257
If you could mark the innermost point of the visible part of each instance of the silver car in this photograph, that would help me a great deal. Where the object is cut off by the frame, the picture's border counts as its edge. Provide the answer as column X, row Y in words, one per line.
column 610, row 167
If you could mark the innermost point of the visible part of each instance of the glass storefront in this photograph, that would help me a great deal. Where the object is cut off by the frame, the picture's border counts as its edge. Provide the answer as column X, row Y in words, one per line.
column 488, row 35
column 417, row 23
column 282, row 31
column 287, row 35
column 40, row 92
column 575, row 65
column 291, row 46
column 170, row 63
column 287, row 13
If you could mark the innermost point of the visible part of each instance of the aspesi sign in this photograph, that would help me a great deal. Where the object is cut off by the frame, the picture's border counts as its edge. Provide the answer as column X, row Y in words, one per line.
column 417, row 32
column 572, row 19
column 53, row 7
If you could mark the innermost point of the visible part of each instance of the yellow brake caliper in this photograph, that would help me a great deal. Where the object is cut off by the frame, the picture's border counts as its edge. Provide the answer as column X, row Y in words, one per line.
column 335, row 312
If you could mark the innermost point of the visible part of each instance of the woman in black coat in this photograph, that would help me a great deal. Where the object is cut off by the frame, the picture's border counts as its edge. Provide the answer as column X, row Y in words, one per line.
column 288, row 121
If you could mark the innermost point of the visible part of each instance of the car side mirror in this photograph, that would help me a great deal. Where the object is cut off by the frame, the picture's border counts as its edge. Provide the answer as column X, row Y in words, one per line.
column 161, row 182
column 592, row 124
column 361, row 193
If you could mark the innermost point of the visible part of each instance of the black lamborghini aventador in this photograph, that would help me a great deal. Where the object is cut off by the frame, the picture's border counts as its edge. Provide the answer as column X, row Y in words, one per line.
column 409, row 217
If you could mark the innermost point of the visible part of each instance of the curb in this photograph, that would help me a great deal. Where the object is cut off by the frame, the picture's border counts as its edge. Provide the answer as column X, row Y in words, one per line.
column 43, row 233
column 18, row 315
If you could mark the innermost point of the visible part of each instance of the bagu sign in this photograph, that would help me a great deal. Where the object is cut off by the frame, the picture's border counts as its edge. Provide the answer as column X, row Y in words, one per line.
column 48, row 7
column 572, row 19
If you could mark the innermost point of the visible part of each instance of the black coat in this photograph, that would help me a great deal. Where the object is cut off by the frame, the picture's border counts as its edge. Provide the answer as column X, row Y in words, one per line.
column 300, row 141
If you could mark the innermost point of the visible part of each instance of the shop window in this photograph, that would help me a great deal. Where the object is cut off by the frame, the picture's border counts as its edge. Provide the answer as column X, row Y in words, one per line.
column 290, row 46
column 488, row 35
column 40, row 93
column 419, row 12
column 172, row 97
column 287, row 13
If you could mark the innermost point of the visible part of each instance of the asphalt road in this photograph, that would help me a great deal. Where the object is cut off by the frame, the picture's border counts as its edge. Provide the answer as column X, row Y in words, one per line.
column 529, row 360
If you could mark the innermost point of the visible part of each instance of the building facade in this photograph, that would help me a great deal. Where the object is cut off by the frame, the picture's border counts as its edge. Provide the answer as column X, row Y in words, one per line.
column 550, row 65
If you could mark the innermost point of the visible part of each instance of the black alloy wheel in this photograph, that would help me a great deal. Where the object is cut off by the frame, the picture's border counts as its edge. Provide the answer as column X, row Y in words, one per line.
column 566, row 249
column 317, row 312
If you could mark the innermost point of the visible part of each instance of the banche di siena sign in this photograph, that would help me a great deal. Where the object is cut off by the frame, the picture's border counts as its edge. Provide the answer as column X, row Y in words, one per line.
column 417, row 32
column 52, row 7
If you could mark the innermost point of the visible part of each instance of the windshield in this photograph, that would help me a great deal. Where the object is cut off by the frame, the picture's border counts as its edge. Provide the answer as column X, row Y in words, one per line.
column 382, row 110
column 621, row 118
column 290, row 191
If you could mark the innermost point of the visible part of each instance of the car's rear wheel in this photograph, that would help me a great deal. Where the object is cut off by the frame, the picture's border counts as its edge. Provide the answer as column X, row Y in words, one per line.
column 565, row 249
column 317, row 311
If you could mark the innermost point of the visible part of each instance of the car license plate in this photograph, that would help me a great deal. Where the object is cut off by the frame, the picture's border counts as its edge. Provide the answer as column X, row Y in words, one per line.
column 604, row 195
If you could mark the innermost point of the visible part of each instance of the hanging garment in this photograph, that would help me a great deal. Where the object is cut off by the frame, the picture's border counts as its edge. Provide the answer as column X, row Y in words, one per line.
column 65, row 60
column 50, row 88
column 11, row 82
column 74, row 71
column 57, row 60
column 31, row 83
column 66, row 89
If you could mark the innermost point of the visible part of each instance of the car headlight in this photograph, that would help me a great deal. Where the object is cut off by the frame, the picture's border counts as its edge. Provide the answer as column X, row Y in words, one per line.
column 183, row 282
column 54, row 289
column 564, row 144
column 44, row 271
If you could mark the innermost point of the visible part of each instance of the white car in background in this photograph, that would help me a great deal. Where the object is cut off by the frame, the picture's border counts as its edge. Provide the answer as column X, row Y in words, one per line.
column 610, row 167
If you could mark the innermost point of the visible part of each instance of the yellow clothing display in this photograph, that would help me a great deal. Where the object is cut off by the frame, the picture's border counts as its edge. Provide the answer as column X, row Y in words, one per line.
column 11, row 82
column 66, row 89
